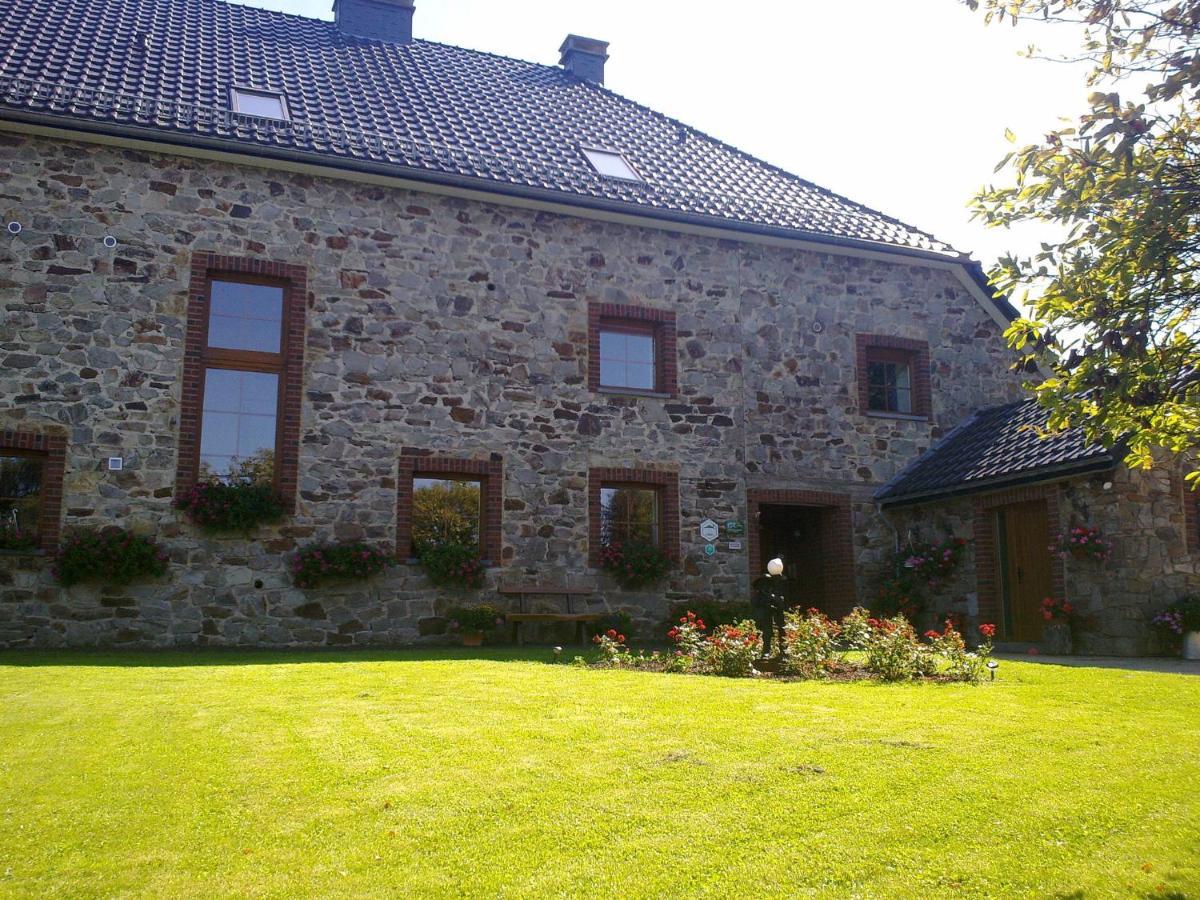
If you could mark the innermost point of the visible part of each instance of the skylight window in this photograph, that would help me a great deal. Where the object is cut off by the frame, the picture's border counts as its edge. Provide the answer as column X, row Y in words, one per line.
column 264, row 104
column 611, row 164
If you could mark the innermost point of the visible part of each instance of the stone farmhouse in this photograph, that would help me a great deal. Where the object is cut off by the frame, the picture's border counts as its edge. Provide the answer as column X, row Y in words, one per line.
column 386, row 265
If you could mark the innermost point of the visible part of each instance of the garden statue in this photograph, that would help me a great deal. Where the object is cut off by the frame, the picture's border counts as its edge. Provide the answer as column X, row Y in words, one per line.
column 769, row 604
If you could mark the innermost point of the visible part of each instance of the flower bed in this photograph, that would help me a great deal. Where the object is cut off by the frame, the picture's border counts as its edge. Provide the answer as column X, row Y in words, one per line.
column 859, row 646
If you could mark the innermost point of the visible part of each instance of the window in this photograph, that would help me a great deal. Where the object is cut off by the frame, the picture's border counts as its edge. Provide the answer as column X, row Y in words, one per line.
column 263, row 104
column 631, row 349
column 239, row 421
column 629, row 515
column 446, row 499
column 31, row 485
column 611, row 164
column 893, row 376
column 632, row 505
column 628, row 358
column 446, row 511
column 242, row 371
column 889, row 382
column 21, row 476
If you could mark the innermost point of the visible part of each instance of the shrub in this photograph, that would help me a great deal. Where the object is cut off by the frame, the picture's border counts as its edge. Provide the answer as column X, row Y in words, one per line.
column 900, row 596
column 218, row 506
column 453, row 565
column 958, row 662
column 482, row 617
column 731, row 649
column 325, row 562
column 809, row 642
column 856, row 628
column 688, row 635
column 13, row 538
column 712, row 612
column 113, row 556
column 893, row 651
column 612, row 647
column 635, row 565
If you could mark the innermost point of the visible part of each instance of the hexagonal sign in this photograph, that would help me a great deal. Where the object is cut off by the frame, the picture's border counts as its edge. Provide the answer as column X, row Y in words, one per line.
column 709, row 531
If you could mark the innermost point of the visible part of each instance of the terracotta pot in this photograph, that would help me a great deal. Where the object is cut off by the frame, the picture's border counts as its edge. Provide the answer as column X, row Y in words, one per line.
column 472, row 638
column 1191, row 645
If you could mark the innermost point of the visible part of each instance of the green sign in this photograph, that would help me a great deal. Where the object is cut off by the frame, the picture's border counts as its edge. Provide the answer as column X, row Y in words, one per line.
column 733, row 526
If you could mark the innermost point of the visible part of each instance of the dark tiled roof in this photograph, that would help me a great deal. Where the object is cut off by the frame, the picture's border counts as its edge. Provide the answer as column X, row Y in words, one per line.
column 447, row 112
column 995, row 447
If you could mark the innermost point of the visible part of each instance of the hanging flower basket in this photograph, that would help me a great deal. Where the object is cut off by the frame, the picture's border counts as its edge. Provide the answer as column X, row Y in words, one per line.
column 1082, row 542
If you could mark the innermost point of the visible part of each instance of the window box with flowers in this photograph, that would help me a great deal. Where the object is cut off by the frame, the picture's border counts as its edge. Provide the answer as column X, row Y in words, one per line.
column 240, row 505
column 320, row 564
column 110, row 557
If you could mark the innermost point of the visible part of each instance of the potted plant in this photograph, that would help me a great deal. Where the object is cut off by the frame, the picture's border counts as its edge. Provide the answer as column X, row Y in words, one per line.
column 1056, row 635
column 1181, row 622
column 1083, row 542
column 472, row 622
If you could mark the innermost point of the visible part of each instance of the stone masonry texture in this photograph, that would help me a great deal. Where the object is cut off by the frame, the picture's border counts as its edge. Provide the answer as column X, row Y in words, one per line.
column 455, row 328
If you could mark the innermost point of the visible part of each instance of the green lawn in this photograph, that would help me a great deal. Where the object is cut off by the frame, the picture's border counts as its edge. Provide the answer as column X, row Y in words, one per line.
column 269, row 774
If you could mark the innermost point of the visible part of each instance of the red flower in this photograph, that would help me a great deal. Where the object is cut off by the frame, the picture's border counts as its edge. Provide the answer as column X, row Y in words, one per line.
column 932, row 635
column 987, row 630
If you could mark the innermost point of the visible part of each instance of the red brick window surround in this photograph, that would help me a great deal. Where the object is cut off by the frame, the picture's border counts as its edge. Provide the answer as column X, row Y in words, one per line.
column 488, row 473
column 243, row 371
column 664, row 485
column 837, row 539
column 893, row 376
column 632, row 350
column 38, row 499
column 1191, row 515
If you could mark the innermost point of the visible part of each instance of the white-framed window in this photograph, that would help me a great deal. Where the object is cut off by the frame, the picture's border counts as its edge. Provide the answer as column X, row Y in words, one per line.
column 611, row 164
column 263, row 104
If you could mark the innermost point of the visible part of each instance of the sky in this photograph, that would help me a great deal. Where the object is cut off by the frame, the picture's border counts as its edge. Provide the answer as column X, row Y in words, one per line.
column 898, row 104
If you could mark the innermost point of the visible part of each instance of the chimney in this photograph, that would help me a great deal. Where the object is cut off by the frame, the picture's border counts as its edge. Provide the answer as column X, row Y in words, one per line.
column 377, row 20
column 584, row 57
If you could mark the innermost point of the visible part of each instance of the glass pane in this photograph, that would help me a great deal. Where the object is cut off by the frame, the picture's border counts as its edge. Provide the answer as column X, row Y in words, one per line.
column 903, row 400
column 611, row 165
column 639, row 348
column 640, row 377
column 627, row 360
column 20, row 493
column 629, row 515
column 245, row 316
column 237, row 428
column 269, row 106
column 446, row 511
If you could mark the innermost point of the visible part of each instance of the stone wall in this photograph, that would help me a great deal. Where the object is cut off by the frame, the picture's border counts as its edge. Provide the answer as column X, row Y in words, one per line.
column 444, row 325
column 1152, row 565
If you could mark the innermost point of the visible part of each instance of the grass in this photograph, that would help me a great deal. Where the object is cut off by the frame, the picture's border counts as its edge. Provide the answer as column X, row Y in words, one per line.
column 447, row 773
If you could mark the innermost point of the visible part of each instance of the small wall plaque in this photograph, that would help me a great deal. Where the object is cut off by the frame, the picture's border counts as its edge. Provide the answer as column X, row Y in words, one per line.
column 115, row 464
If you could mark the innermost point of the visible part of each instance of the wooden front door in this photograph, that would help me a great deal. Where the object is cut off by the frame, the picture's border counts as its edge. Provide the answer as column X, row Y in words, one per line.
column 1026, row 567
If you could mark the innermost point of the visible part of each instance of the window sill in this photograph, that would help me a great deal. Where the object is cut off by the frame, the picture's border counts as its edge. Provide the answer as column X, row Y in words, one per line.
column 38, row 552
column 633, row 392
column 904, row 417
column 413, row 561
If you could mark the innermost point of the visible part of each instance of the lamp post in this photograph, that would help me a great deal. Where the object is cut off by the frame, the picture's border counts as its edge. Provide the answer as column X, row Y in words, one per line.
column 770, row 606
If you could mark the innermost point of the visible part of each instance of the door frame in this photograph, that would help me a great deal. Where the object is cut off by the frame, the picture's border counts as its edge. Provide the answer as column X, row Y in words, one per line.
column 987, row 555
column 837, row 538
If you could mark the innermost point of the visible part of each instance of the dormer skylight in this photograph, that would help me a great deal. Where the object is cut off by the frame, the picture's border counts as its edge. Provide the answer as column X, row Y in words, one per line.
column 611, row 164
column 263, row 104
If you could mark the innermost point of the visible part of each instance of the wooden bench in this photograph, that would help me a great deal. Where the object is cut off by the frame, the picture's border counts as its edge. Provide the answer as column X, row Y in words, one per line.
column 524, row 591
